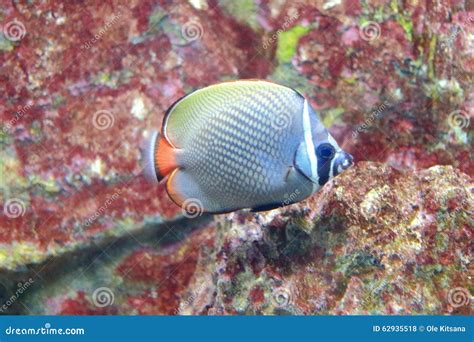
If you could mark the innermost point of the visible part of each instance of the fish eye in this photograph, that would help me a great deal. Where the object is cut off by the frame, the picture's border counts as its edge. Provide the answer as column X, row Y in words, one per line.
column 325, row 151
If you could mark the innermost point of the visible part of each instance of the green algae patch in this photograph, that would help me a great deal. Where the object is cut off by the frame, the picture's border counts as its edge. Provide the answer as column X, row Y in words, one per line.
column 357, row 263
column 18, row 254
column 287, row 42
column 245, row 11
column 333, row 116
column 48, row 185
column 286, row 74
column 404, row 20
column 113, row 79
column 10, row 169
column 431, row 57
column 407, row 25
column 159, row 21
column 5, row 44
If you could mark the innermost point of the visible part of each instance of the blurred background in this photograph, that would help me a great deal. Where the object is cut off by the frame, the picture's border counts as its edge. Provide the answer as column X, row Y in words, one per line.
column 83, row 82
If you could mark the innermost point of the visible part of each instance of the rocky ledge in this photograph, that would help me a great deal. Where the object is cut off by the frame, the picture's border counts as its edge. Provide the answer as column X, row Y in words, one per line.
column 373, row 241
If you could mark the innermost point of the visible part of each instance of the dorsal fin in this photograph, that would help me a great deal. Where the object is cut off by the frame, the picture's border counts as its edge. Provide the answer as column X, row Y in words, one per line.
column 192, row 109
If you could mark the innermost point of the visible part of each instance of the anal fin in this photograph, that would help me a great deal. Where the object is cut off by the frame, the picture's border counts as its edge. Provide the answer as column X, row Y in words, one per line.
column 266, row 207
column 186, row 193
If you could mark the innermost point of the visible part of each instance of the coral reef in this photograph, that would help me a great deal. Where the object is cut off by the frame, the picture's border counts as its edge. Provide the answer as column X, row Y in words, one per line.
column 83, row 83
column 374, row 241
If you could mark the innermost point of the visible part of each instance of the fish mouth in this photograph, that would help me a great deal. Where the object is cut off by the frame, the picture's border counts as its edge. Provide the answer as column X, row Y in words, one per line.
column 342, row 162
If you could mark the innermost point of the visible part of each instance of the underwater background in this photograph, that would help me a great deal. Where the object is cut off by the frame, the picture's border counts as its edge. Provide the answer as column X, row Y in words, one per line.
column 82, row 232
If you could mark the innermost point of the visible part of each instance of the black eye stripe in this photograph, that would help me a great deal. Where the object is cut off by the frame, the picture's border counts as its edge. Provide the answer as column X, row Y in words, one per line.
column 334, row 169
column 325, row 153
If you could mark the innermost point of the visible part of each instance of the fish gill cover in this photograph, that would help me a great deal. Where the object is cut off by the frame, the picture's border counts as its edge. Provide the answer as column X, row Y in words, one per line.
column 82, row 84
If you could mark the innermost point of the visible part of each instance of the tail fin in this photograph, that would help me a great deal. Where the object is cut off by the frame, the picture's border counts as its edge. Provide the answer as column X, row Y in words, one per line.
column 158, row 158
column 148, row 157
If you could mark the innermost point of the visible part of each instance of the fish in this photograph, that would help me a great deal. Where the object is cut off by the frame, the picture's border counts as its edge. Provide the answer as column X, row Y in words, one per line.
column 244, row 144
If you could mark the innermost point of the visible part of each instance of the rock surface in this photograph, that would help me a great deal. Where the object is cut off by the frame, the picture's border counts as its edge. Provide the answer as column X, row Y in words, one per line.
column 374, row 241
column 82, row 84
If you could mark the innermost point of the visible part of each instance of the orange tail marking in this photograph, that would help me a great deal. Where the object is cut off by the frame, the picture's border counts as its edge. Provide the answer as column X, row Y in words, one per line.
column 172, row 193
column 165, row 158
